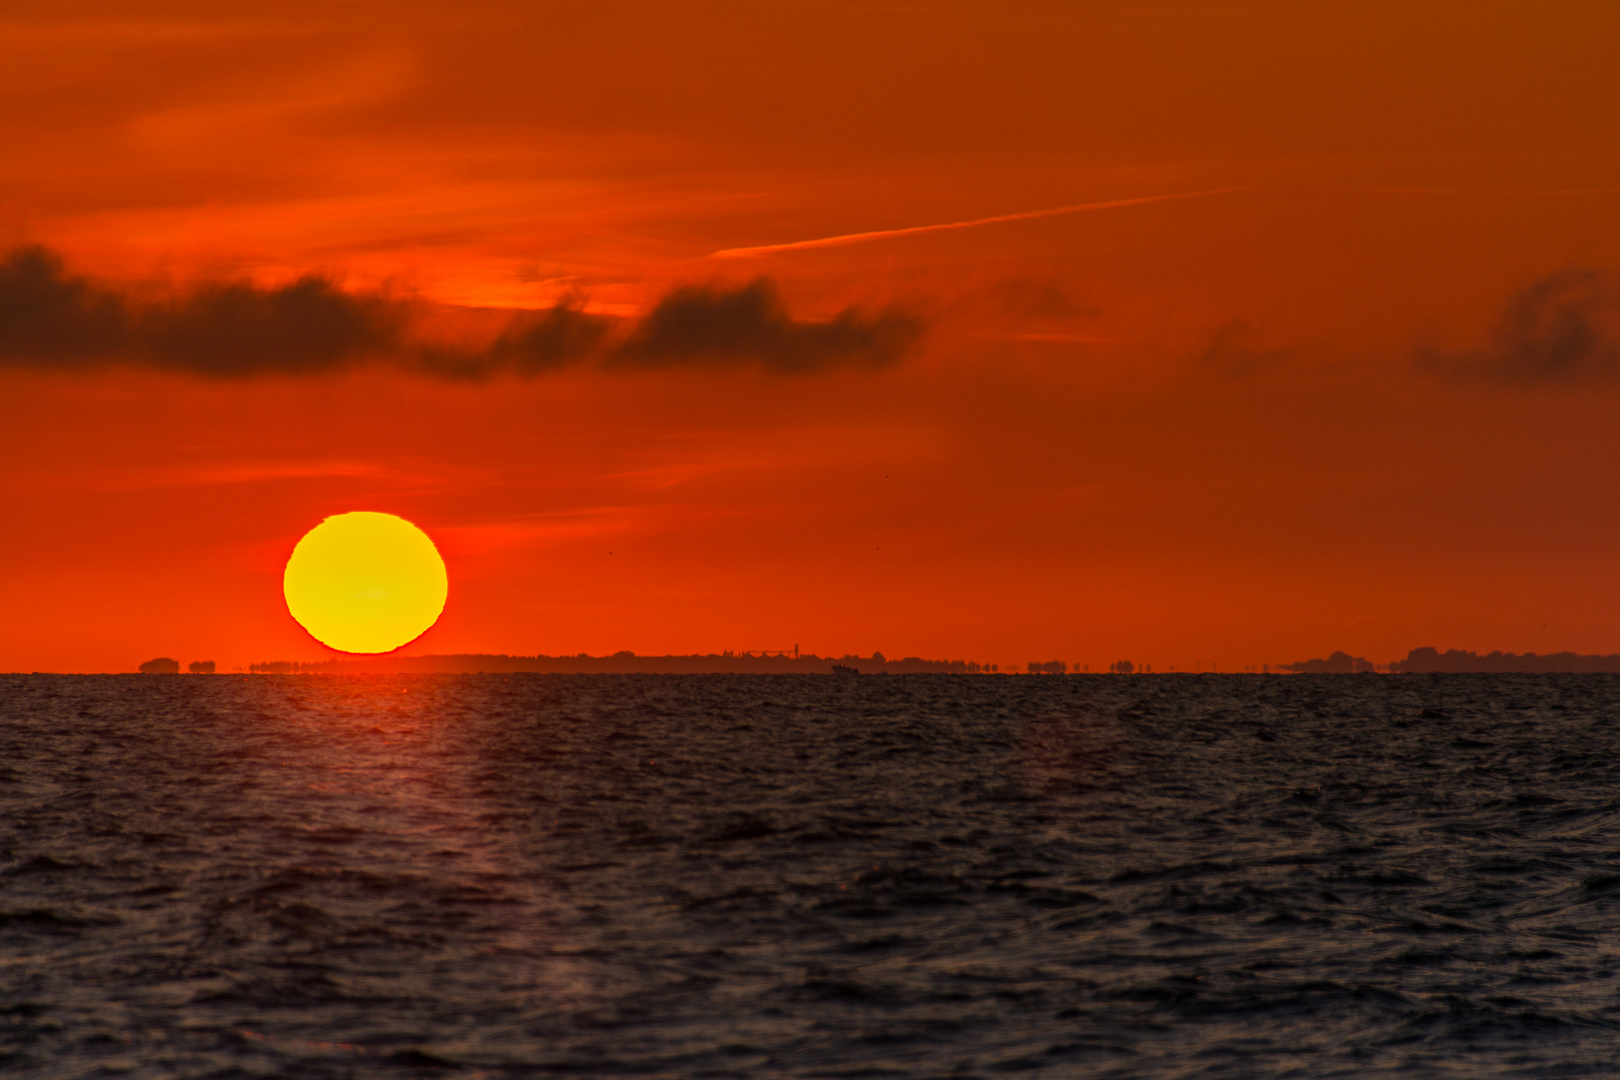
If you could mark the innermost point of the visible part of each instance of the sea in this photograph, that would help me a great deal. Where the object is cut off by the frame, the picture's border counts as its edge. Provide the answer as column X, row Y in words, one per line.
column 1146, row 876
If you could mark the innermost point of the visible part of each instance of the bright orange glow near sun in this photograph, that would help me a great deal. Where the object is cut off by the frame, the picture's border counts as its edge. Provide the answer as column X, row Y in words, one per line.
column 365, row 582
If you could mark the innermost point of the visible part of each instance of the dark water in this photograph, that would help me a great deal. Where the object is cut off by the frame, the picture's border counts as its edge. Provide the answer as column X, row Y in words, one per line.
column 710, row 876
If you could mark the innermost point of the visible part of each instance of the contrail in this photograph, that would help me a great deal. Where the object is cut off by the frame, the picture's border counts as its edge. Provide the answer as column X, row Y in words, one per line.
column 884, row 234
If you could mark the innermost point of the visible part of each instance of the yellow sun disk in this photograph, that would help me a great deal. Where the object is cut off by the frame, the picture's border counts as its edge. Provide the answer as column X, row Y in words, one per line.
column 365, row 582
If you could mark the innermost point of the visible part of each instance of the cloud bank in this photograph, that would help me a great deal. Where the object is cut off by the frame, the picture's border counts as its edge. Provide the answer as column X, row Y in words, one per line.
column 51, row 319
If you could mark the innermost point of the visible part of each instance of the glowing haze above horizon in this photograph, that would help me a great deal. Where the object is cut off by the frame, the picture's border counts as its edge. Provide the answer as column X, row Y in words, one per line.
column 635, row 312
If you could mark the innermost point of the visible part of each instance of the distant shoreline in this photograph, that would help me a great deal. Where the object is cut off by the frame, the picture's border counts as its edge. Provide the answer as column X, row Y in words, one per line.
column 1420, row 661
column 622, row 663
column 1431, row 661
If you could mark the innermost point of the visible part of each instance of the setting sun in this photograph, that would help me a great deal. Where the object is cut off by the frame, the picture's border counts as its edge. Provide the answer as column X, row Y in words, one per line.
column 365, row 582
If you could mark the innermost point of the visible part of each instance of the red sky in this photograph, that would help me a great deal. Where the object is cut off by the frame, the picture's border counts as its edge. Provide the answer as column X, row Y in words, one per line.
column 1356, row 390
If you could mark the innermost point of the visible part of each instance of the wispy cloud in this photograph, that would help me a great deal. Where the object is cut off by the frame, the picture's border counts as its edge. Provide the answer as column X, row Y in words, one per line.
column 1234, row 353
column 1563, row 328
column 886, row 234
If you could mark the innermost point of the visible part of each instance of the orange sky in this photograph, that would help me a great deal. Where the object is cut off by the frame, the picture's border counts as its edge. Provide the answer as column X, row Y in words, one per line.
column 1354, row 390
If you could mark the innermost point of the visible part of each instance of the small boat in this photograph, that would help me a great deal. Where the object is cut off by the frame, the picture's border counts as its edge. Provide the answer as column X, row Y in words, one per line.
column 843, row 669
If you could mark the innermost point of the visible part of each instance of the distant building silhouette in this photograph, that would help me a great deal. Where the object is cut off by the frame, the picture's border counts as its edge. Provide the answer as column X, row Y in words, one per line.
column 161, row 666
column 201, row 667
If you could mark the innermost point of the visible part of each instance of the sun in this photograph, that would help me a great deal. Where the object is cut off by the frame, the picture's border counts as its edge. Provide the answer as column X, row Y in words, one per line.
column 365, row 582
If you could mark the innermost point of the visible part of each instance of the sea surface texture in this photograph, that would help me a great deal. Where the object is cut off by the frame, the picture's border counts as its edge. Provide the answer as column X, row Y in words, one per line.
column 803, row 876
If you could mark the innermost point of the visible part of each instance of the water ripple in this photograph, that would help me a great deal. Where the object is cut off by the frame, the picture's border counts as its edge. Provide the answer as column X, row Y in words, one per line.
column 672, row 876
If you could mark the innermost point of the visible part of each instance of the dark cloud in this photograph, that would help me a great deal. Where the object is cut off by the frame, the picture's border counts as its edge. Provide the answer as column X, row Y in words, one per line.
column 305, row 327
column 549, row 339
column 1564, row 328
column 51, row 319
column 749, row 325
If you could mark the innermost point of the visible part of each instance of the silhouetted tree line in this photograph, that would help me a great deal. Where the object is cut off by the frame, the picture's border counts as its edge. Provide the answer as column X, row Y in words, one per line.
column 164, row 665
column 1338, row 663
column 1427, row 660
